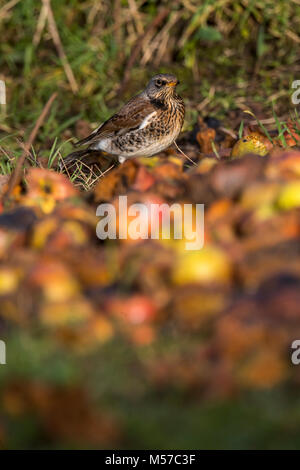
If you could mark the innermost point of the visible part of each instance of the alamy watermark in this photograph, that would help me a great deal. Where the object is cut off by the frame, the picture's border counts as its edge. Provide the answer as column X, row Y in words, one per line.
column 141, row 221
column 295, row 357
column 2, row 92
column 2, row 352
column 296, row 94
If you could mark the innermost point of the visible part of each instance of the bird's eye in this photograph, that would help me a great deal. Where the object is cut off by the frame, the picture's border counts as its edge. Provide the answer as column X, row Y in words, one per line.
column 159, row 82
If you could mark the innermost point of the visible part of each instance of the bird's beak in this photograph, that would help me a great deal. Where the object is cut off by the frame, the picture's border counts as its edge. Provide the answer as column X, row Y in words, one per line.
column 172, row 83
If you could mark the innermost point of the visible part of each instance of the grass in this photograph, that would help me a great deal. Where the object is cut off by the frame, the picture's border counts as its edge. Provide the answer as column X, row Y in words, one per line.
column 213, row 37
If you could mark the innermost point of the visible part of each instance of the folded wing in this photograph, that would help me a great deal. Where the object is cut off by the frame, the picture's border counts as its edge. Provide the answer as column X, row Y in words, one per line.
column 133, row 115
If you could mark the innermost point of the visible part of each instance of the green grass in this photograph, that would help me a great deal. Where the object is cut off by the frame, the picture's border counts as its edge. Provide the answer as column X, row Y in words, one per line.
column 226, row 58
column 213, row 40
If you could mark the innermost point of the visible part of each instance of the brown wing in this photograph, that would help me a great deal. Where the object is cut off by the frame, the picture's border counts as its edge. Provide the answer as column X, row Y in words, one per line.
column 128, row 118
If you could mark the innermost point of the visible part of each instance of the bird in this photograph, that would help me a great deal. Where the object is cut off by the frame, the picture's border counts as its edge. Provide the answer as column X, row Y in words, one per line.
column 147, row 124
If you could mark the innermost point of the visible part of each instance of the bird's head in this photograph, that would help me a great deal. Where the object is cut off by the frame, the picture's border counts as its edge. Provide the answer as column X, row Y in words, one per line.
column 161, row 86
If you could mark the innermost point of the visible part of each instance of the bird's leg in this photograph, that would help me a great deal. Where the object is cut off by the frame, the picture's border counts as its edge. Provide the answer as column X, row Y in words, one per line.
column 121, row 159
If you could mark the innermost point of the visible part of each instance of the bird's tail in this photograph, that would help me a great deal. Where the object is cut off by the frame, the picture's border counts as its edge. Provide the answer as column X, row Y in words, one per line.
column 89, row 157
column 73, row 157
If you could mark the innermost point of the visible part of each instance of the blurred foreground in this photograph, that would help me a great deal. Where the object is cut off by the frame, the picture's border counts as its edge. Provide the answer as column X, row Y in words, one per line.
column 124, row 342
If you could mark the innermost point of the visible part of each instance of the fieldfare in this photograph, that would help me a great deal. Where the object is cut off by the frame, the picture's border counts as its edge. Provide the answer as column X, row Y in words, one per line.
column 146, row 125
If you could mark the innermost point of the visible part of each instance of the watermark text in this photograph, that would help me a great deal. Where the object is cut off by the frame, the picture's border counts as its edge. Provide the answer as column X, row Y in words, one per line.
column 142, row 221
